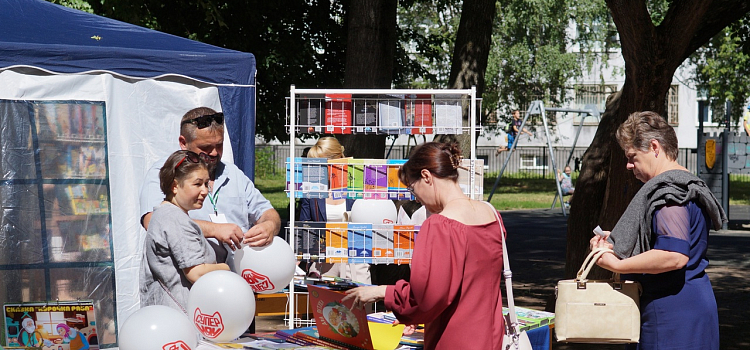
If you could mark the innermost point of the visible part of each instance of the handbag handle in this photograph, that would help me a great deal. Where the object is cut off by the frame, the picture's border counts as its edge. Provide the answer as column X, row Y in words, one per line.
column 590, row 261
column 507, row 274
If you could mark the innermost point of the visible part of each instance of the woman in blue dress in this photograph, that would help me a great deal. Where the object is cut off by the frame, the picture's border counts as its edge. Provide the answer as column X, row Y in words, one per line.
column 661, row 240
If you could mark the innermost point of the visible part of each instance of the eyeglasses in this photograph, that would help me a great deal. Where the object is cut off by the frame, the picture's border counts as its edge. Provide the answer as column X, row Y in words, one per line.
column 410, row 188
column 193, row 157
column 204, row 121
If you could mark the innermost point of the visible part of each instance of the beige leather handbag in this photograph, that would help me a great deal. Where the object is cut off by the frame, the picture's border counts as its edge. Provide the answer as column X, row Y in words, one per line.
column 597, row 311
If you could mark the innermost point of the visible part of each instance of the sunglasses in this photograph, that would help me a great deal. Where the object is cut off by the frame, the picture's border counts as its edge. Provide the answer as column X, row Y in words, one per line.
column 193, row 157
column 204, row 121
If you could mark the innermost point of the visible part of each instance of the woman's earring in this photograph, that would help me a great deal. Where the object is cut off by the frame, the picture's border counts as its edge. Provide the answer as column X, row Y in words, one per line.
column 656, row 154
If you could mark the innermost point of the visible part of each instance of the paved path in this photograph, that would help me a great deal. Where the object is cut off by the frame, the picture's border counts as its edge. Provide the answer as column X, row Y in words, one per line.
column 536, row 241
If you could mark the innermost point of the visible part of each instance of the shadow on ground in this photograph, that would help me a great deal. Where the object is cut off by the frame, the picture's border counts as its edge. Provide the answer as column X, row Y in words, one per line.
column 536, row 241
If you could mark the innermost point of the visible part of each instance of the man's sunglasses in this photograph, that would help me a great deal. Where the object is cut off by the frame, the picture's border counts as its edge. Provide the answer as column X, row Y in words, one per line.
column 193, row 157
column 204, row 121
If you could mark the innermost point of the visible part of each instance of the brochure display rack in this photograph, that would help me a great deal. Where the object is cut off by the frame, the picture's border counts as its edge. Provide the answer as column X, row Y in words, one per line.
column 367, row 111
column 55, row 242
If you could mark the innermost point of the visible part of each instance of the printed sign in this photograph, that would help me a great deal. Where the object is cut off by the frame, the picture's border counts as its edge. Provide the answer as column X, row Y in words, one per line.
column 178, row 345
column 209, row 325
column 259, row 282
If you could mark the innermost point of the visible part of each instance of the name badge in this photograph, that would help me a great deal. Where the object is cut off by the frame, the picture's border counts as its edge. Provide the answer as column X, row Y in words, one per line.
column 218, row 218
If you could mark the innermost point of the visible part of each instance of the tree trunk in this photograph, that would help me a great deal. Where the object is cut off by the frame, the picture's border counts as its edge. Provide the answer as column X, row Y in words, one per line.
column 470, row 56
column 371, row 45
column 651, row 54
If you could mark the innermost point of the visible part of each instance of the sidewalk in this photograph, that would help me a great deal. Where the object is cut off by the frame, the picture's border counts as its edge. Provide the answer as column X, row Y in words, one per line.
column 537, row 240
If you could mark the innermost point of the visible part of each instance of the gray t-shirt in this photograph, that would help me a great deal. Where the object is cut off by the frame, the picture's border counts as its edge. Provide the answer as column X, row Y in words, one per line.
column 173, row 242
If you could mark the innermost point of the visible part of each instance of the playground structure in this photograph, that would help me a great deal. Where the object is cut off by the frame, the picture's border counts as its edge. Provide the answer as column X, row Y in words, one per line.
column 537, row 107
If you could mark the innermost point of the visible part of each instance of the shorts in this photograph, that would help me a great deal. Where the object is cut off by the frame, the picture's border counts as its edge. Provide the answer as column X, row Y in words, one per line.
column 511, row 138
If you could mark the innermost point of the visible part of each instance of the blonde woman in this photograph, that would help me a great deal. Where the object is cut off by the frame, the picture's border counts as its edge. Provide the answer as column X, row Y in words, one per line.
column 325, row 210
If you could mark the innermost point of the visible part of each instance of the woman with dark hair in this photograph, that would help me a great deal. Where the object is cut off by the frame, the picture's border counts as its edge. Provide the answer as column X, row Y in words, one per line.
column 175, row 253
column 457, row 265
column 661, row 240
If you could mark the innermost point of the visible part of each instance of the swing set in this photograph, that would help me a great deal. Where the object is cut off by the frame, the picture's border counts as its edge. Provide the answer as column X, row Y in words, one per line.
column 537, row 107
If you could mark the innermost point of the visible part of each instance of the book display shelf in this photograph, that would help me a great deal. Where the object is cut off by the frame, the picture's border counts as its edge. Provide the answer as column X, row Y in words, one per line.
column 56, row 241
column 366, row 111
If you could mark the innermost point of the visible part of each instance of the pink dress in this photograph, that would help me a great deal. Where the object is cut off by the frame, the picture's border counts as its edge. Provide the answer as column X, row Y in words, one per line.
column 456, row 271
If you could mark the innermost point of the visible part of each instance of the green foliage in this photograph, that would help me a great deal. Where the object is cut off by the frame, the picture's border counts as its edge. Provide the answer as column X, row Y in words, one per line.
column 265, row 164
column 74, row 4
column 723, row 68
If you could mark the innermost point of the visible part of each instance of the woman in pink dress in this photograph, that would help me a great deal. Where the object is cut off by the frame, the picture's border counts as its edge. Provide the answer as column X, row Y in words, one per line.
column 457, row 264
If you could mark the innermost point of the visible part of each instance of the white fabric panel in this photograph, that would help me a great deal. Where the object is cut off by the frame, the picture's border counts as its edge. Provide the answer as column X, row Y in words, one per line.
column 142, row 126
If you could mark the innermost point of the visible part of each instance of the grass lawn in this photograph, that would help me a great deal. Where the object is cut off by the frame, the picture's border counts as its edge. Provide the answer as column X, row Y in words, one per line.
column 511, row 193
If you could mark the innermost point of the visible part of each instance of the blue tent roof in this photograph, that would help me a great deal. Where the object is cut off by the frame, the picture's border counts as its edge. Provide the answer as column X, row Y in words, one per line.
column 59, row 39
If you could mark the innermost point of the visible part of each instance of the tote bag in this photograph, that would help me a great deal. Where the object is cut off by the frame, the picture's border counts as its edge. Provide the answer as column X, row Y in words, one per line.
column 597, row 311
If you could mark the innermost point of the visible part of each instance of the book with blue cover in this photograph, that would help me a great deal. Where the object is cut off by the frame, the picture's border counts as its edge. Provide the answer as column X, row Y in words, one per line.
column 360, row 243
column 297, row 177
column 315, row 178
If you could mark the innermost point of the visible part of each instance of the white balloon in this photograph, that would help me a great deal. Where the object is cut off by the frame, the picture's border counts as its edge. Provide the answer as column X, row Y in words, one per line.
column 158, row 327
column 221, row 305
column 373, row 211
column 266, row 269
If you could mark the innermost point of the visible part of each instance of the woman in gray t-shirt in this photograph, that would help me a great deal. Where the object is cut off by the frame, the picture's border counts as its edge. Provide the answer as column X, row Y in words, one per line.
column 175, row 253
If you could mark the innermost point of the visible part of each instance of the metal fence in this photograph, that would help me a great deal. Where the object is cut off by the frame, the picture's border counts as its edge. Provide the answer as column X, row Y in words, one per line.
column 525, row 162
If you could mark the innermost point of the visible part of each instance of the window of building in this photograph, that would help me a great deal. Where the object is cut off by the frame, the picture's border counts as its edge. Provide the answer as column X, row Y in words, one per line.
column 592, row 94
column 673, row 115
column 533, row 162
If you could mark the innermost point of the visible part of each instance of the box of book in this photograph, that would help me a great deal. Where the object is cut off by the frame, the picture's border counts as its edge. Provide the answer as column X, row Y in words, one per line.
column 360, row 243
column 382, row 243
column 365, row 119
column 419, row 113
column 356, row 183
column 315, row 178
column 448, row 114
column 337, row 242
column 391, row 114
column 310, row 113
column 338, row 113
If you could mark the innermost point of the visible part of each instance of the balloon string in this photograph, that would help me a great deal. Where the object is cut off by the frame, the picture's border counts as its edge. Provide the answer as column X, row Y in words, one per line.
column 173, row 298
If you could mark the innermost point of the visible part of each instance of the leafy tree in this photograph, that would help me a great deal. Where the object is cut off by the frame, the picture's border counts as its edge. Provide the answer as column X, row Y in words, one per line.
column 652, row 51
column 294, row 42
column 723, row 68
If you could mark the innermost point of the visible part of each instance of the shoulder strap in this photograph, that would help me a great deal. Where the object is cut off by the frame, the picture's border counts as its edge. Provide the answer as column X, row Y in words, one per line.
column 507, row 274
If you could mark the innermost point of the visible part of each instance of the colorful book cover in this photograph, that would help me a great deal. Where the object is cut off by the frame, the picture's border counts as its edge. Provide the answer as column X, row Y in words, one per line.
column 360, row 243
column 419, row 113
column 391, row 114
column 365, row 115
column 403, row 243
column 338, row 178
column 297, row 177
column 315, row 178
column 310, row 113
column 356, row 184
column 464, row 178
column 339, row 113
column 338, row 321
column 311, row 240
column 337, row 244
column 382, row 243
column 396, row 188
column 448, row 114
column 376, row 179
column 53, row 325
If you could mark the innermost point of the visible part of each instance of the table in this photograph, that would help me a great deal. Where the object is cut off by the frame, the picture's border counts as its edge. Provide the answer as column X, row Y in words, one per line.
column 275, row 304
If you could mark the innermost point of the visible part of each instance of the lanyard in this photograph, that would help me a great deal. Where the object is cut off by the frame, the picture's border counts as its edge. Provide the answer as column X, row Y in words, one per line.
column 214, row 199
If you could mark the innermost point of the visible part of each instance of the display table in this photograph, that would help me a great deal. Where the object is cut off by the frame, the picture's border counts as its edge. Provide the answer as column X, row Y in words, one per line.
column 276, row 304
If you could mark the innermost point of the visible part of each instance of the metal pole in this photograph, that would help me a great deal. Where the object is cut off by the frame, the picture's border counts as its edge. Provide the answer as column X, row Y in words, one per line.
column 592, row 112
column 292, row 187
column 512, row 148
column 552, row 156
column 725, row 164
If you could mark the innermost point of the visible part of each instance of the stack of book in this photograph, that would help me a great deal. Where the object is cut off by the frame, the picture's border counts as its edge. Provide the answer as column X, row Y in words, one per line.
column 530, row 319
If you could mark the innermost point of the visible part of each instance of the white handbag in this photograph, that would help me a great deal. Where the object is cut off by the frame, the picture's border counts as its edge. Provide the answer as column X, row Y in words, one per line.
column 597, row 311
column 513, row 339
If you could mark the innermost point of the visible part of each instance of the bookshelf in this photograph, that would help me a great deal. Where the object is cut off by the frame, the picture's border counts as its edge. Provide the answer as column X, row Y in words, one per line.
column 57, row 223
column 368, row 111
